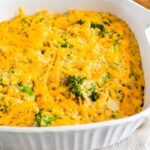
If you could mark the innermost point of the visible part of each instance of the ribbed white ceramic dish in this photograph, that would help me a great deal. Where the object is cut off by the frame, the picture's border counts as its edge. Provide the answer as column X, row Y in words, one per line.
column 89, row 136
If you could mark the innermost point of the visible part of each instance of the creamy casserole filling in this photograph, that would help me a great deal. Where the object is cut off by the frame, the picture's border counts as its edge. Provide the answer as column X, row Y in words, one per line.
column 66, row 69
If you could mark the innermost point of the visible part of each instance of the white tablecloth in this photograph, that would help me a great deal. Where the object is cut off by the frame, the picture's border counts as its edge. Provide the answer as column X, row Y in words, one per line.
column 139, row 140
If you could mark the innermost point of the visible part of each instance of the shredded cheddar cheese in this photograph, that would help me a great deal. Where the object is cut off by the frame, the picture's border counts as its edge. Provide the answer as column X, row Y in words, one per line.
column 66, row 69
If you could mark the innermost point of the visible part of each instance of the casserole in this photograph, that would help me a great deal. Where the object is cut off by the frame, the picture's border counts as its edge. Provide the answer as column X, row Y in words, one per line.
column 89, row 136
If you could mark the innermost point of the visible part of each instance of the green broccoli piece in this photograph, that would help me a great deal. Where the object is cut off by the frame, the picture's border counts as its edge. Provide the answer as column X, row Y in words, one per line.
column 80, row 22
column 74, row 84
column 77, row 86
column 100, row 27
column 106, row 77
column 94, row 94
column 42, row 119
column 66, row 45
column 115, row 48
column 4, row 109
column 77, row 91
column 93, row 87
column 75, row 80
column 25, row 89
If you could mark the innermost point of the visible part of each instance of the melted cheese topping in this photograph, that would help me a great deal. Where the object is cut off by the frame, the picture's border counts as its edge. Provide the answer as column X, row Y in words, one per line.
column 39, row 53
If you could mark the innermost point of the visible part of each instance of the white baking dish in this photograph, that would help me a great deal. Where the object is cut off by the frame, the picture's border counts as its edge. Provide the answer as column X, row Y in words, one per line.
column 88, row 136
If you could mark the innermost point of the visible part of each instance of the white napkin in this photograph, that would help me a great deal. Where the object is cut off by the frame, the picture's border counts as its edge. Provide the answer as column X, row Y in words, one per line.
column 139, row 140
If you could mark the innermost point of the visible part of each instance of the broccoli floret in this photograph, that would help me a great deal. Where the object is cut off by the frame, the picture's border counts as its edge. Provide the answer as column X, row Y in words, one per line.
column 77, row 91
column 4, row 109
column 74, row 80
column 66, row 45
column 115, row 48
column 100, row 27
column 94, row 94
column 25, row 89
column 93, row 87
column 79, row 87
column 74, row 84
column 106, row 77
column 80, row 22
column 43, row 119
